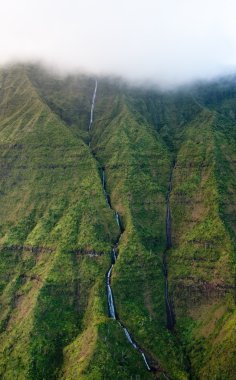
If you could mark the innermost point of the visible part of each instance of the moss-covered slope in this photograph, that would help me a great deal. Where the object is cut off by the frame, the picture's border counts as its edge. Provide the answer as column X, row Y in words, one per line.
column 52, row 211
column 57, row 231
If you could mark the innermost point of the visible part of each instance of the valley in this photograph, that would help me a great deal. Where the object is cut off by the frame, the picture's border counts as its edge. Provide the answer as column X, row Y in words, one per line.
column 117, row 234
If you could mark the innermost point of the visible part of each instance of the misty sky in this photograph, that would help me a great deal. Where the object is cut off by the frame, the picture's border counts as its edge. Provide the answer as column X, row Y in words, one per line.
column 167, row 41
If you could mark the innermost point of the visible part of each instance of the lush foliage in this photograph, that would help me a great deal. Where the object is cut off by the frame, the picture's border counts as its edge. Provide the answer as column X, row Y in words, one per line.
column 57, row 231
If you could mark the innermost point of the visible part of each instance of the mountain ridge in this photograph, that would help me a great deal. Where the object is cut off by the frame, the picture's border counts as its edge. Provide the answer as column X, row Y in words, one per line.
column 136, row 135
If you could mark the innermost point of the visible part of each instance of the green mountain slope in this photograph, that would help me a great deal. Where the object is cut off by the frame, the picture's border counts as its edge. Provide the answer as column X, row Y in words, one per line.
column 57, row 230
column 201, row 261
column 53, row 214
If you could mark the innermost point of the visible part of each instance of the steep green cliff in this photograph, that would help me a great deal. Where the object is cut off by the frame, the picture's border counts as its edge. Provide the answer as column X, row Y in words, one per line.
column 57, row 230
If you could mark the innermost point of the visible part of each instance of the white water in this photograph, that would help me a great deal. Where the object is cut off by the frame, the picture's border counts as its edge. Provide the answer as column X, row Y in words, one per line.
column 145, row 361
column 127, row 334
column 110, row 300
column 93, row 105
column 118, row 219
column 136, row 347
column 114, row 255
column 129, row 338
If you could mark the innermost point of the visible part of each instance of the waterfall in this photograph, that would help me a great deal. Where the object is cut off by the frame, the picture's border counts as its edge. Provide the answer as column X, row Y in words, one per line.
column 93, row 105
column 114, row 255
column 118, row 219
column 110, row 298
column 127, row 334
column 129, row 338
column 145, row 361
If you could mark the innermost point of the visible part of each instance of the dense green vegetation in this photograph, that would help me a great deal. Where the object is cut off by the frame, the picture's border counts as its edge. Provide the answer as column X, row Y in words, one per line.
column 57, row 231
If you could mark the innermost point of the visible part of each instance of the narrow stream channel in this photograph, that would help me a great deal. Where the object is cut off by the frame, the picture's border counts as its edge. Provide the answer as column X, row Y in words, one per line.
column 110, row 297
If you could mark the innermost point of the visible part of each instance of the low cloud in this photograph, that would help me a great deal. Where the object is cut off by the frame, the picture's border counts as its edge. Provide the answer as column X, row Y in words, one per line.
column 162, row 41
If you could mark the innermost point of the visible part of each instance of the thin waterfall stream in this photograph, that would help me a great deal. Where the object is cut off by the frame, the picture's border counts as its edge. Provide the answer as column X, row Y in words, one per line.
column 93, row 105
column 110, row 297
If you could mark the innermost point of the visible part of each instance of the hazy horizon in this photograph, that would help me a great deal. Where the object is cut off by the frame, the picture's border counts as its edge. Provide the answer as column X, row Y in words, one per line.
column 162, row 42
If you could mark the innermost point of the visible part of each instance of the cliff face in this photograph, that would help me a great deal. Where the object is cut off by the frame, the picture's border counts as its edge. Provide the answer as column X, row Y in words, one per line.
column 57, row 229
column 201, row 261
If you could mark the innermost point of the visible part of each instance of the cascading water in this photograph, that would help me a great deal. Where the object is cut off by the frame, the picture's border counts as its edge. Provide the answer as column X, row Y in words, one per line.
column 118, row 220
column 93, row 105
column 110, row 298
column 111, row 306
column 129, row 337
column 113, row 256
